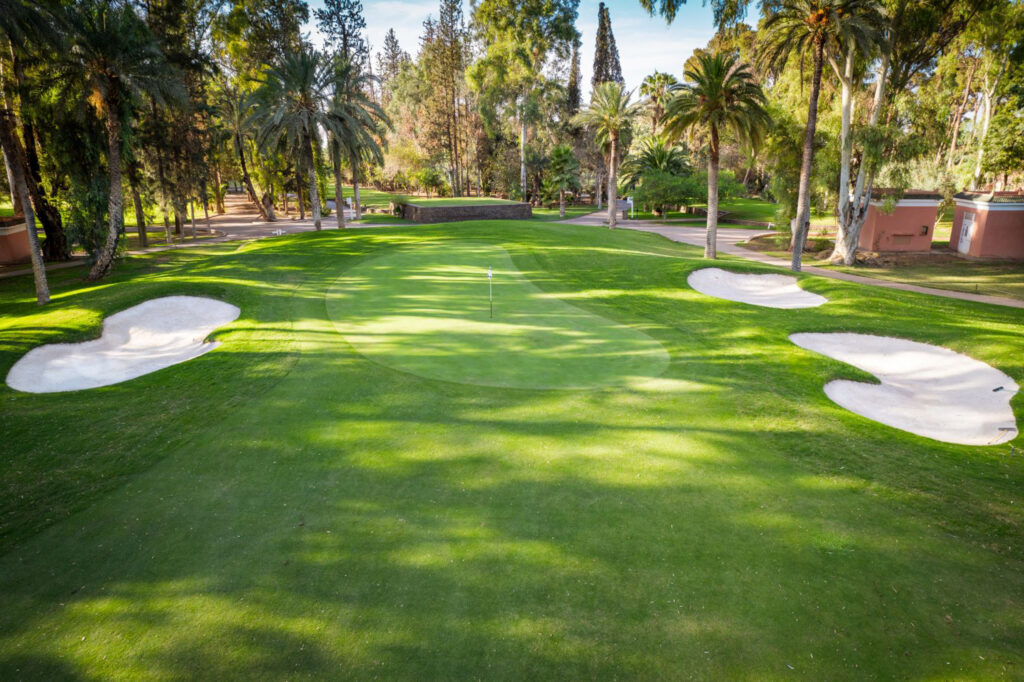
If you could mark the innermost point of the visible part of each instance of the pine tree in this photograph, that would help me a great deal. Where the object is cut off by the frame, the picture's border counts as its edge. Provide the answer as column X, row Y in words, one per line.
column 572, row 90
column 391, row 59
column 342, row 23
column 606, row 56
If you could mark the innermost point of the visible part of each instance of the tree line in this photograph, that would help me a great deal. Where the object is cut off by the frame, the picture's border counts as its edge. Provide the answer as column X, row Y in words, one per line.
column 152, row 109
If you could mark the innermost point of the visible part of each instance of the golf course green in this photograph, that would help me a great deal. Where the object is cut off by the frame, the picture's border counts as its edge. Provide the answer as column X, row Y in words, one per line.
column 615, row 477
column 429, row 310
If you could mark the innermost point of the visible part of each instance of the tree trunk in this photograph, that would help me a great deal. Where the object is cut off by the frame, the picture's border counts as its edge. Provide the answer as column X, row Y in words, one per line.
column 15, row 199
column 115, row 201
column 192, row 216
column 314, row 195
column 161, row 181
column 522, row 149
column 56, row 246
column 851, row 217
column 298, row 192
column 612, row 183
column 989, row 99
column 561, row 203
column 218, row 190
column 206, row 205
column 268, row 206
column 597, row 189
column 339, row 189
column 357, row 207
column 958, row 117
column 140, row 213
column 13, row 155
column 803, row 210
column 247, row 180
column 711, row 237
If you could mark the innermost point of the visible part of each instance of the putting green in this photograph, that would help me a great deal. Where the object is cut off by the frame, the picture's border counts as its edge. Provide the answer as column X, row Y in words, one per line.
column 424, row 310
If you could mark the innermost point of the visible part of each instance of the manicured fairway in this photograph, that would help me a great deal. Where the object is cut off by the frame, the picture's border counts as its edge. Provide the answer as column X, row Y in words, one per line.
column 297, row 504
column 427, row 310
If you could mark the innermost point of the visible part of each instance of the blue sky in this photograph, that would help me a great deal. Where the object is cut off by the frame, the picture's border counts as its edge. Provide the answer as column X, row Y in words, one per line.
column 645, row 43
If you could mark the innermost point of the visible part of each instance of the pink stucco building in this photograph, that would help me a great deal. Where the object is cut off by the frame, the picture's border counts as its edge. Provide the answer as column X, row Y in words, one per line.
column 908, row 228
column 989, row 225
column 14, row 244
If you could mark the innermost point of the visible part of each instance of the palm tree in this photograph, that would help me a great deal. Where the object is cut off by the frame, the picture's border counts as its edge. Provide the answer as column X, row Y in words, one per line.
column 656, row 89
column 563, row 171
column 610, row 114
column 823, row 28
column 21, row 22
column 720, row 94
column 292, row 104
column 232, row 107
column 654, row 155
column 117, row 56
column 360, row 122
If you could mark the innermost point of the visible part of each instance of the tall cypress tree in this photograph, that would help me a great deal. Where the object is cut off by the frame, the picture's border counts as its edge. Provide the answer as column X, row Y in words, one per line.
column 573, row 95
column 606, row 56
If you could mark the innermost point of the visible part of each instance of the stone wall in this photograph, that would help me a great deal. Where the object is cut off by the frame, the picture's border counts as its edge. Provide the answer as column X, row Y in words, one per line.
column 448, row 214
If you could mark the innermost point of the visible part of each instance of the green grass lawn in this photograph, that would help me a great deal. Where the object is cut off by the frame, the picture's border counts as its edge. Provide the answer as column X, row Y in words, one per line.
column 6, row 208
column 550, row 214
column 955, row 274
column 379, row 219
column 368, row 196
column 743, row 208
column 320, row 498
column 459, row 201
column 939, row 271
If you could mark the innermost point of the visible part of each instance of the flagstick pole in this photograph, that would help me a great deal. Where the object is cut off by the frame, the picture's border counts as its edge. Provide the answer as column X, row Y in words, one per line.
column 490, row 296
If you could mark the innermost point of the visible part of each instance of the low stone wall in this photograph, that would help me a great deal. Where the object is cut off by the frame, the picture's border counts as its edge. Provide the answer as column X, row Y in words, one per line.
column 449, row 214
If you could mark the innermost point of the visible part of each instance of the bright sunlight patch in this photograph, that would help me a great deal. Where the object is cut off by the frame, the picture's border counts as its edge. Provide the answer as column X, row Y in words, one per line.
column 425, row 310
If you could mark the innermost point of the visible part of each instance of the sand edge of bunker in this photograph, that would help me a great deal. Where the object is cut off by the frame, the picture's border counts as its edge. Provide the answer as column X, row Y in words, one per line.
column 766, row 290
column 145, row 338
column 927, row 390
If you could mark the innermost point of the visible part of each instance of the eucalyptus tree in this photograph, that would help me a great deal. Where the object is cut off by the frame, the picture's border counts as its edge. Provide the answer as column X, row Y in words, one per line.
column 610, row 114
column 118, row 60
column 824, row 29
column 913, row 33
column 863, row 38
column 563, row 172
column 719, row 95
column 521, row 38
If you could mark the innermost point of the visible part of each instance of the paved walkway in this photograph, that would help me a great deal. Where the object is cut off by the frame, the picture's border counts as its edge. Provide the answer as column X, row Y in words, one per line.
column 728, row 243
column 241, row 221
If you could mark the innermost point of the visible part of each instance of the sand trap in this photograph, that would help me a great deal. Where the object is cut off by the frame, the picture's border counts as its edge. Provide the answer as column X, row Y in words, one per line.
column 927, row 390
column 770, row 291
column 142, row 339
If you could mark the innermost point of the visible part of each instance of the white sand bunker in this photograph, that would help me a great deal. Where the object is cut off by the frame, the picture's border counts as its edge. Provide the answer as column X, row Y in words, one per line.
column 142, row 339
column 770, row 291
column 926, row 390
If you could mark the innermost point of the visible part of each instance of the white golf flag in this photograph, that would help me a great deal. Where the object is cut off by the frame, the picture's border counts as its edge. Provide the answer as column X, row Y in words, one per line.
column 489, row 273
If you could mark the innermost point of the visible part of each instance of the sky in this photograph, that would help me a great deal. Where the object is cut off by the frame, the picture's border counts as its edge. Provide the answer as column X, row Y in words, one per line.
column 645, row 43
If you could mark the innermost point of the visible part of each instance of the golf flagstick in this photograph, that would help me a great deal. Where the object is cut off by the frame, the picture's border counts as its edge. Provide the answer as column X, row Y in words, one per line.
column 490, row 289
